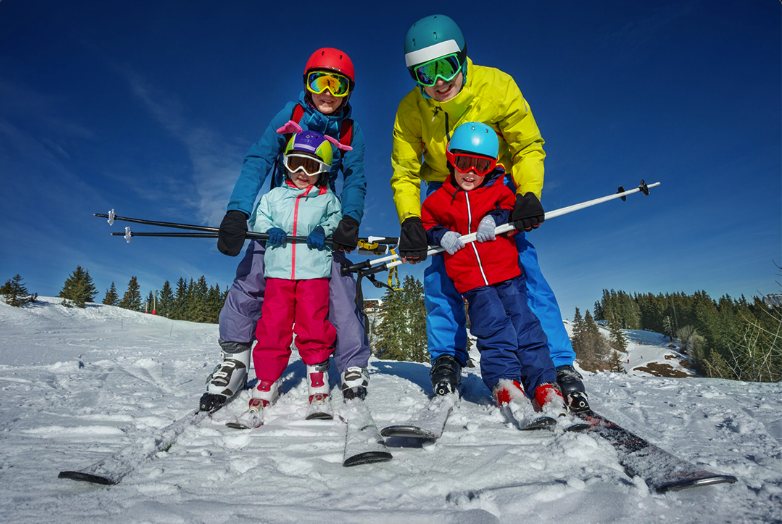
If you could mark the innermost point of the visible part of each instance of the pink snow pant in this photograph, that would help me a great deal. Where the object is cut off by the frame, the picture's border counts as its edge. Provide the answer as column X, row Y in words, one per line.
column 304, row 303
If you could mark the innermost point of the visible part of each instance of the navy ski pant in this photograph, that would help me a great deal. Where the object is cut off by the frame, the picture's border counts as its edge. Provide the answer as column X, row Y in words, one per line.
column 242, row 309
column 512, row 343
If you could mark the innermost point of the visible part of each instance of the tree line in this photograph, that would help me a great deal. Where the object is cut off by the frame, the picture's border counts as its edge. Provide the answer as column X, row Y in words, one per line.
column 193, row 300
column 725, row 338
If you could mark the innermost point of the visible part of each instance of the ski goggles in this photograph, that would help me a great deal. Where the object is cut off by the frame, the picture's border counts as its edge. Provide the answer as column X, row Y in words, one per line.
column 337, row 84
column 445, row 67
column 299, row 162
column 465, row 162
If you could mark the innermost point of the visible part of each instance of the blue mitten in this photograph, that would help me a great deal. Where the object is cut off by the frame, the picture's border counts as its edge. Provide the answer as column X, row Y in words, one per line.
column 277, row 236
column 316, row 239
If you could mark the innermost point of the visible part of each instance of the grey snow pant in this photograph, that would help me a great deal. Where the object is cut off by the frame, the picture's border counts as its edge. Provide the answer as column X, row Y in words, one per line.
column 242, row 309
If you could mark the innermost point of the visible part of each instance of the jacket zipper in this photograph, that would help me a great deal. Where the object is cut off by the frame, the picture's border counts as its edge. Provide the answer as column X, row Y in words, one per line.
column 295, row 233
column 469, row 230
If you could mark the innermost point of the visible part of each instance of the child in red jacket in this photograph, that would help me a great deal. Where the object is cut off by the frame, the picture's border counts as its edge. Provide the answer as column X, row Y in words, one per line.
column 487, row 273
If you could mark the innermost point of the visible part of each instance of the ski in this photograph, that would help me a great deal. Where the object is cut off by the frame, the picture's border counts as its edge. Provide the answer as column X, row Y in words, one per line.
column 541, row 422
column 250, row 419
column 113, row 469
column 660, row 470
column 363, row 443
column 428, row 423
column 320, row 410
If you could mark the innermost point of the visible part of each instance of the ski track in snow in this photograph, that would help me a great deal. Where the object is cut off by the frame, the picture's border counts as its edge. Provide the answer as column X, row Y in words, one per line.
column 77, row 385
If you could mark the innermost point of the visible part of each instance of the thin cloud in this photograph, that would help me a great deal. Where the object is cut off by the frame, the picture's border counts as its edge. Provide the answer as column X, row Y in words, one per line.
column 215, row 161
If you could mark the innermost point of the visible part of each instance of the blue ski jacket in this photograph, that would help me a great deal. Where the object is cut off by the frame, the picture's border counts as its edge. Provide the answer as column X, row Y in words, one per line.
column 264, row 154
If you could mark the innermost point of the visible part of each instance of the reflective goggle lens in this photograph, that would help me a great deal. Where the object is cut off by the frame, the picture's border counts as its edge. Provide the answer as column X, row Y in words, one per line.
column 306, row 163
column 446, row 67
column 464, row 163
column 318, row 81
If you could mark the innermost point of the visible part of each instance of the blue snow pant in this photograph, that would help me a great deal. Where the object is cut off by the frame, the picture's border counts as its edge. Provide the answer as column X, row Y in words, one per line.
column 446, row 321
column 510, row 339
column 242, row 309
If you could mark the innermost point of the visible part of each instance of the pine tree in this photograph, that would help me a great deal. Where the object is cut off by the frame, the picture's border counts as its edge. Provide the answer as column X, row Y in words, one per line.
column 214, row 303
column 198, row 312
column 392, row 325
column 166, row 301
column 15, row 292
column 149, row 304
column 414, row 337
column 132, row 298
column 615, row 363
column 111, row 298
column 180, row 300
column 618, row 339
column 79, row 287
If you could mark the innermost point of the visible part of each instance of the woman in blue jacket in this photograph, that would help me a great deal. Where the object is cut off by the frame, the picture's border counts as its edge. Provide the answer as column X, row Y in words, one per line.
column 323, row 106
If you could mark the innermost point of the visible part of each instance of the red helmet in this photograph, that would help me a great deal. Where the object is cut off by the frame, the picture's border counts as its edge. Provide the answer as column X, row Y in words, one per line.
column 332, row 59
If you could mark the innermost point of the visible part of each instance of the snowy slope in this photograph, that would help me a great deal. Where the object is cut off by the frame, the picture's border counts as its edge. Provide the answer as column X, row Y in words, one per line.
column 78, row 385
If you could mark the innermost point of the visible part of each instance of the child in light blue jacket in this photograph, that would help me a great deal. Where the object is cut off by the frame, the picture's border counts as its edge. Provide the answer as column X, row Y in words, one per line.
column 297, row 275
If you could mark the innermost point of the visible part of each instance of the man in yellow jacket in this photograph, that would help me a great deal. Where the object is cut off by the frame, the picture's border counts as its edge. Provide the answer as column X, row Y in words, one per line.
column 451, row 90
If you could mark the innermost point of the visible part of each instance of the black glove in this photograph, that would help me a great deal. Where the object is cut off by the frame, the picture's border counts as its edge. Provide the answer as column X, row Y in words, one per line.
column 412, row 240
column 527, row 212
column 346, row 236
column 230, row 238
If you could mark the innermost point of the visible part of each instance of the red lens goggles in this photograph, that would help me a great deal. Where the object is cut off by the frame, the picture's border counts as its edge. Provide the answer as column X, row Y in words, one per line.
column 465, row 162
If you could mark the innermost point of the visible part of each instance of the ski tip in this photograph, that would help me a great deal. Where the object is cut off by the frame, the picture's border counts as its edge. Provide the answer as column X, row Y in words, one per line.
column 320, row 416
column 543, row 422
column 237, row 425
column 579, row 426
column 693, row 483
column 86, row 477
column 407, row 432
column 369, row 457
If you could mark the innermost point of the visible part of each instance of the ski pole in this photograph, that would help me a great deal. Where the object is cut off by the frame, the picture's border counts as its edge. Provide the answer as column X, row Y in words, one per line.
column 112, row 217
column 371, row 243
column 362, row 249
column 394, row 260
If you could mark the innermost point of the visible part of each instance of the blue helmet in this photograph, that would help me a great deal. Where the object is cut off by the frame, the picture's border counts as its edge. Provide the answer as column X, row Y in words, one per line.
column 434, row 37
column 477, row 138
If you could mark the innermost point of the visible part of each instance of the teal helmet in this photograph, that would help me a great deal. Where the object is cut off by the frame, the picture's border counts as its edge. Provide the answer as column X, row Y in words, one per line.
column 476, row 138
column 434, row 37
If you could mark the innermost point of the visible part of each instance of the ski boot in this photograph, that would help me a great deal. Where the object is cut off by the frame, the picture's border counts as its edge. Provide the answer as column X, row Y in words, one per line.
column 569, row 381
column 549, row 400
column 509, row 394
column 228, row 378
column 446, row 375
column 263, row 395
column 354, row 383
column 318, row 384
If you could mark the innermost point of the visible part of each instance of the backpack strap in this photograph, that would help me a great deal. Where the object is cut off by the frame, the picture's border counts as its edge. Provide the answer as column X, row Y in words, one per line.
column 297, row 113
column 346, row 132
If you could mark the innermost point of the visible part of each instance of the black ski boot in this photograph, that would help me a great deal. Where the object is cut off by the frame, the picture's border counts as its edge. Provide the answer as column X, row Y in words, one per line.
column 446, row 375
column 569, row 381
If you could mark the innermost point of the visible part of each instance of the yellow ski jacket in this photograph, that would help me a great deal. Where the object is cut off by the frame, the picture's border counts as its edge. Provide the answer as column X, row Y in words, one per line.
column 423, row 126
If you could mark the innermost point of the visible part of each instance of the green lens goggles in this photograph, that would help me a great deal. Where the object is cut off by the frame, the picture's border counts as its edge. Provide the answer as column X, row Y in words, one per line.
column 446, row 67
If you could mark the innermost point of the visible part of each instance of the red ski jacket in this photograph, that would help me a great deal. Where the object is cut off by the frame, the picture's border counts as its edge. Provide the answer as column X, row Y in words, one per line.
column 452, row 208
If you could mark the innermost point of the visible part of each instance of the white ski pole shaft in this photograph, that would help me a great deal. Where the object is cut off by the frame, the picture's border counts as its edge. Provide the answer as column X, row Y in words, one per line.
column 505, row 228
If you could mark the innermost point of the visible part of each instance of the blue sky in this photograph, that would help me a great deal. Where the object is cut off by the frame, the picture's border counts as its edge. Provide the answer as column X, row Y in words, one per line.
column 149, row 107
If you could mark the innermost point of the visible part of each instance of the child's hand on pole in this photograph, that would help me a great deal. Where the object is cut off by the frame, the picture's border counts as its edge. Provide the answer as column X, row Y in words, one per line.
column 277, row 236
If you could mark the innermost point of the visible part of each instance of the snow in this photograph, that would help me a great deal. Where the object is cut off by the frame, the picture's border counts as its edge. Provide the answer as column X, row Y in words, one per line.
column 78, row 385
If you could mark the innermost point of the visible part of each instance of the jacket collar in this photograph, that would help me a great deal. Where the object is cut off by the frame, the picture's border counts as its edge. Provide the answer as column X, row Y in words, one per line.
column 495, row 177
column 307, row 191
column 314, row 120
